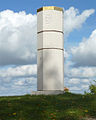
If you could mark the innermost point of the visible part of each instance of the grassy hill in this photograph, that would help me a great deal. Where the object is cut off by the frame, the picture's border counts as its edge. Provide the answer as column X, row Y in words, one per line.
column 53, row 107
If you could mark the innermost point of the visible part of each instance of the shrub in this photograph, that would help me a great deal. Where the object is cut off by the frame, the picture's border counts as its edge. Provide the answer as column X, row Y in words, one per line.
column 87, row 93
column 66, row 89
column 92, row 88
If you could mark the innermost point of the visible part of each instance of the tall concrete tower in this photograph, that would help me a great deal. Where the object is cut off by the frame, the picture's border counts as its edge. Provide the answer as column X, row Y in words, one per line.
column 50, row 47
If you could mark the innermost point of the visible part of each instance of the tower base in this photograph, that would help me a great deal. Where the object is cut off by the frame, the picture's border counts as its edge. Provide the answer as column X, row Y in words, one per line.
column 49, row 92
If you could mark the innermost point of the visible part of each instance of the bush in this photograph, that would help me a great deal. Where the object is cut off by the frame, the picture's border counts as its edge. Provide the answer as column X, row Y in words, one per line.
column 87, row 93
column 66, row 89
column 92, row 88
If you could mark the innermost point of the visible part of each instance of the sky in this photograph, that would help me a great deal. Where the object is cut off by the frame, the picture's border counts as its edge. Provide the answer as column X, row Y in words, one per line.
column 18, row 44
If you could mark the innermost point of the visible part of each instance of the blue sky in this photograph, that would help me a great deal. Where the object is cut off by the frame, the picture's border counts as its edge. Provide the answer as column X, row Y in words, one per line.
column 18, row 40
column 32, row 5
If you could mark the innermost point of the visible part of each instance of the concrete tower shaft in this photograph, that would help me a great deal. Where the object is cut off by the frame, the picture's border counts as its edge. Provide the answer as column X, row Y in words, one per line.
column 50, row 48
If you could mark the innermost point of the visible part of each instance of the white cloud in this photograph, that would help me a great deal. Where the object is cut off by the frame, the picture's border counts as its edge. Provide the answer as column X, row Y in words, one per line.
column 30, row 80
column 77, row 85
column 17, row 37
column 81, row 88
column 81, row 72
column 18, row 34
column 74, row 20
column 85, row 86
column 18, row 86
column 85, row 53
column 74, row 81
column 19, row 83
column 18, row 47
column 85, row 80
column 78, row 78
column 19, row 71
column 75, row 88
column 24, row 81
column 66, row 54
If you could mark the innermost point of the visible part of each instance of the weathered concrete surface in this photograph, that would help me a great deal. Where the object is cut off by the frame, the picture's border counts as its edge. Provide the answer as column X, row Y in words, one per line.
column 47, row 92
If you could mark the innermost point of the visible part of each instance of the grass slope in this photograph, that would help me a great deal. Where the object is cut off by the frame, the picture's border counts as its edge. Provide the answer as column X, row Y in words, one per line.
column 53, row 107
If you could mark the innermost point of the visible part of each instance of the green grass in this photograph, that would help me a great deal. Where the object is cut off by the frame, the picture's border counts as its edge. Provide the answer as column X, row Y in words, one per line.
column 52, row 107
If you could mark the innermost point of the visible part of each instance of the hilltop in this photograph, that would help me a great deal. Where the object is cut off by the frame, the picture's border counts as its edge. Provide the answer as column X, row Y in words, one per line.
column 50, row 107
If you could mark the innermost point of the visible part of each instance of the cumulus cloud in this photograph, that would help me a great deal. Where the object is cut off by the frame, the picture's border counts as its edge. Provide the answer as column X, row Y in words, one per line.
column 74, row 81
column 18, row 86
column 74, row 20
column 75, row 88
column 80, row 88
column 28, row 81
column 66, row 54
column 19, row 83
column 85, row 86
column 75, row 78
column 18, row 47
column 85, row 80
column 19, row 71
column 18, row 80
column 85, row 53
column 81, row 72
column 17, row 38
column 18, row 34
column 77, row 84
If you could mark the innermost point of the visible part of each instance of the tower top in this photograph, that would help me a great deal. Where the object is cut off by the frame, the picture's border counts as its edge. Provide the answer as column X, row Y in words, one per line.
column 49, row 8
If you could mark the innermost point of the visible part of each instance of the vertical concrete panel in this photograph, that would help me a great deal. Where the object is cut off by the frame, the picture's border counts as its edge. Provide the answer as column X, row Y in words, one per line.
column 53, row 40
column 40, row 70
column 40, row 40
column 53, row 69
column 40, row 21
column 50, row 40
column 52, row 20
